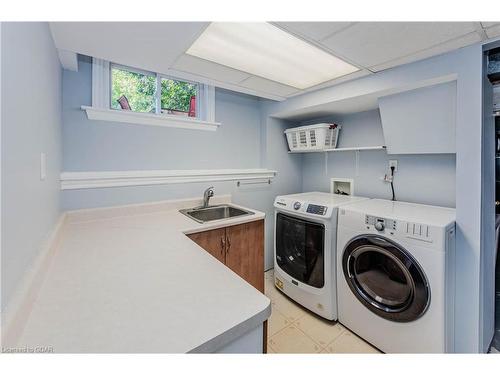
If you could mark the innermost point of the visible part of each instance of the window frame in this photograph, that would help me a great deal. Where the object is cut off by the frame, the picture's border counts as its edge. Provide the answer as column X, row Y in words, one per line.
column 100, row 108
column 158, row 85
column 157, row 97
column 132, row 70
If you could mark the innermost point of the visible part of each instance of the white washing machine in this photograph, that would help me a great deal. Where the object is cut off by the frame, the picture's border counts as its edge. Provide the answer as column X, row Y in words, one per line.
column 304, row 249
column 395, row 275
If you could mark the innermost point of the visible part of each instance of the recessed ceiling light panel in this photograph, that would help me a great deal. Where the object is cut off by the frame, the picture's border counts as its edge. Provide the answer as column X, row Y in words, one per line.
column 265, row 50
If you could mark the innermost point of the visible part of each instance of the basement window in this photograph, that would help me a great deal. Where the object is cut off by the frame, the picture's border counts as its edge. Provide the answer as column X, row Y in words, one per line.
column 178, row 97
column 141, row 91
column 139, row 96
column 133, row 90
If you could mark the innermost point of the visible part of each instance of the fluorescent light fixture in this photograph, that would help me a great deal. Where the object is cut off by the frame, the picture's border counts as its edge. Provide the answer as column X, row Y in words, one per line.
column 265, row 50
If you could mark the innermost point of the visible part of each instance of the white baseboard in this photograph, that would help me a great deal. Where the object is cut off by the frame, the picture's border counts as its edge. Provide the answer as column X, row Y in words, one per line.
column 17, row 311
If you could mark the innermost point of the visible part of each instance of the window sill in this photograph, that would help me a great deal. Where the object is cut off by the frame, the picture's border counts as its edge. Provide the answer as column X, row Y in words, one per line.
column 151, row 119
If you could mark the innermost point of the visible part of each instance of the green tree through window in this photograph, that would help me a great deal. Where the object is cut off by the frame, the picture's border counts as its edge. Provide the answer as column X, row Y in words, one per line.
column 176, row 95
column 140, row 91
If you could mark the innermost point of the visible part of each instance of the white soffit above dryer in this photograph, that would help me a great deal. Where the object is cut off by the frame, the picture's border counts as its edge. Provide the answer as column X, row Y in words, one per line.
column 369, row 46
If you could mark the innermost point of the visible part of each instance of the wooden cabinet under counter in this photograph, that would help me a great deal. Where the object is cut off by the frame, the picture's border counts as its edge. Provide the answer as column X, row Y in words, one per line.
column 241, row 248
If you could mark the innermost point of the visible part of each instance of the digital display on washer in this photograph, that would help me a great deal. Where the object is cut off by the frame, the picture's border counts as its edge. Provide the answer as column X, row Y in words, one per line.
column 314, row 209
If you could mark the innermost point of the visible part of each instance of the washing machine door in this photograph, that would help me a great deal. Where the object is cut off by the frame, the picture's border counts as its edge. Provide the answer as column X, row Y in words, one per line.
column 300, row 249
column 385, row 278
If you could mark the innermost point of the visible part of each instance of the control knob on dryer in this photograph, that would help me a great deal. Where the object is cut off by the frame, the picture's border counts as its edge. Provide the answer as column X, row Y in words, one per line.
column 379, row 226
column 296, row 205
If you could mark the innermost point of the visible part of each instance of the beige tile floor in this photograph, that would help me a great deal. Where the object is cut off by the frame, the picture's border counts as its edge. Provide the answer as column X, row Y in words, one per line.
column 294, row 329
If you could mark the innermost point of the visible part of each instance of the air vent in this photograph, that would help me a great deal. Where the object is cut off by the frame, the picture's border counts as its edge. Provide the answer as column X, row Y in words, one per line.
column 294, row 140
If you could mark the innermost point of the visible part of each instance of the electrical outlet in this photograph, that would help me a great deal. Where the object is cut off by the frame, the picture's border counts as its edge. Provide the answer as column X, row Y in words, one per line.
column 393, row 163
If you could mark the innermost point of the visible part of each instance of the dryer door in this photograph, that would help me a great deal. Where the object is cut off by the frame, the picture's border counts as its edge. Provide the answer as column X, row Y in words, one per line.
column 385, row 278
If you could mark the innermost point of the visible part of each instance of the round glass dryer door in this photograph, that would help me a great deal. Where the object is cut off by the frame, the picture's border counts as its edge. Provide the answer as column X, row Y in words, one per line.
column 385, row 278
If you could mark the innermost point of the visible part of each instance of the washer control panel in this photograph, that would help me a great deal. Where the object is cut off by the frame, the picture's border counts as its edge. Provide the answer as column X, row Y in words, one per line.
column 315, row 209
column 380, row 223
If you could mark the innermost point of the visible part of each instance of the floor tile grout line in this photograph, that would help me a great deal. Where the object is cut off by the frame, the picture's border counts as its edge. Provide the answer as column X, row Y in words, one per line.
column 344, row 331
column 305, row 333
column 279, row 330
column 347, row 331
column 307, row 336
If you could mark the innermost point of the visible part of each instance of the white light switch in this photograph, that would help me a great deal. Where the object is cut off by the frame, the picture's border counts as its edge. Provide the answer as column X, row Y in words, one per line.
column 43, row 166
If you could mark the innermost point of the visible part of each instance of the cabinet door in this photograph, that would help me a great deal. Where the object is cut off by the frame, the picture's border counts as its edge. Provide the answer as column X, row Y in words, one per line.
column 213, row 241
column 245, row 252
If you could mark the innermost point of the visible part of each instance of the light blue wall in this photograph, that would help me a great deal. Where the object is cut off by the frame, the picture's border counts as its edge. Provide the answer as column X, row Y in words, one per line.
column 31, row 124
column 240, row 142
column 466, row 66
column 102, row 145
column 106, row 146
column 427, row 179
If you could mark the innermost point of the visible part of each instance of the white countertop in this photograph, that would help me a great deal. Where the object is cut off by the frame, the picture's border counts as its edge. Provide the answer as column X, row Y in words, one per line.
column 137, row 283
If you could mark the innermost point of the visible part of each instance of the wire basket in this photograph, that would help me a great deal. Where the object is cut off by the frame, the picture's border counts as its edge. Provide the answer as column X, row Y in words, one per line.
column 316, row 137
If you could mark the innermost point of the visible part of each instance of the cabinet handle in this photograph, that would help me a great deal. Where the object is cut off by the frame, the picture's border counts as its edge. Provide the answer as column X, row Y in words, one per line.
column 228, row 245
column 222, row 245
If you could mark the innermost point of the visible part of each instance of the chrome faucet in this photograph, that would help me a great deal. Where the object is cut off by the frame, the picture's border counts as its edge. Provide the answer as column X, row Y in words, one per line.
column 207, row 194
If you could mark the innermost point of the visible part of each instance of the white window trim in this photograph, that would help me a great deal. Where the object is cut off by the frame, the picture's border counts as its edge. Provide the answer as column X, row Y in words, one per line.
column 101, row 84
column 101, row 103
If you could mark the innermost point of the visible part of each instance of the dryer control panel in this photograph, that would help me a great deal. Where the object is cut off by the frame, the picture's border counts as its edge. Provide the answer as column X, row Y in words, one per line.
column 415, row 231
column 380, row 223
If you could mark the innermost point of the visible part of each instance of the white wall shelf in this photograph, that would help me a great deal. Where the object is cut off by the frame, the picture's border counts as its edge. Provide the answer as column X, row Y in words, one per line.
column 152, row 119
column 340, row 149
column 92, row 180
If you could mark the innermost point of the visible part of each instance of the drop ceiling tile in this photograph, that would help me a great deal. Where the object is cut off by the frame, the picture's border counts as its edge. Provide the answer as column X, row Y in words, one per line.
column 147, row 45
column 313, row 30
column 493, row 32
column 433, row 51
column 266, row 85
column 375, row 43
column 489, row 24
column 195, row 65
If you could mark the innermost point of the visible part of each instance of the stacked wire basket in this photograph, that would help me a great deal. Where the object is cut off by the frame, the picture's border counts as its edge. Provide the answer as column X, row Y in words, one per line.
column 311, row 138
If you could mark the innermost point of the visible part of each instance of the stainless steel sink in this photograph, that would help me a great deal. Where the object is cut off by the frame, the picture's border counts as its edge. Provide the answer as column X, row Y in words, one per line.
column 211, row 213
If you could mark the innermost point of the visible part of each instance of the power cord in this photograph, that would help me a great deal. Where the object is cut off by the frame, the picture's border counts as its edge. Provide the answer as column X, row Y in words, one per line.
column 392, row 183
